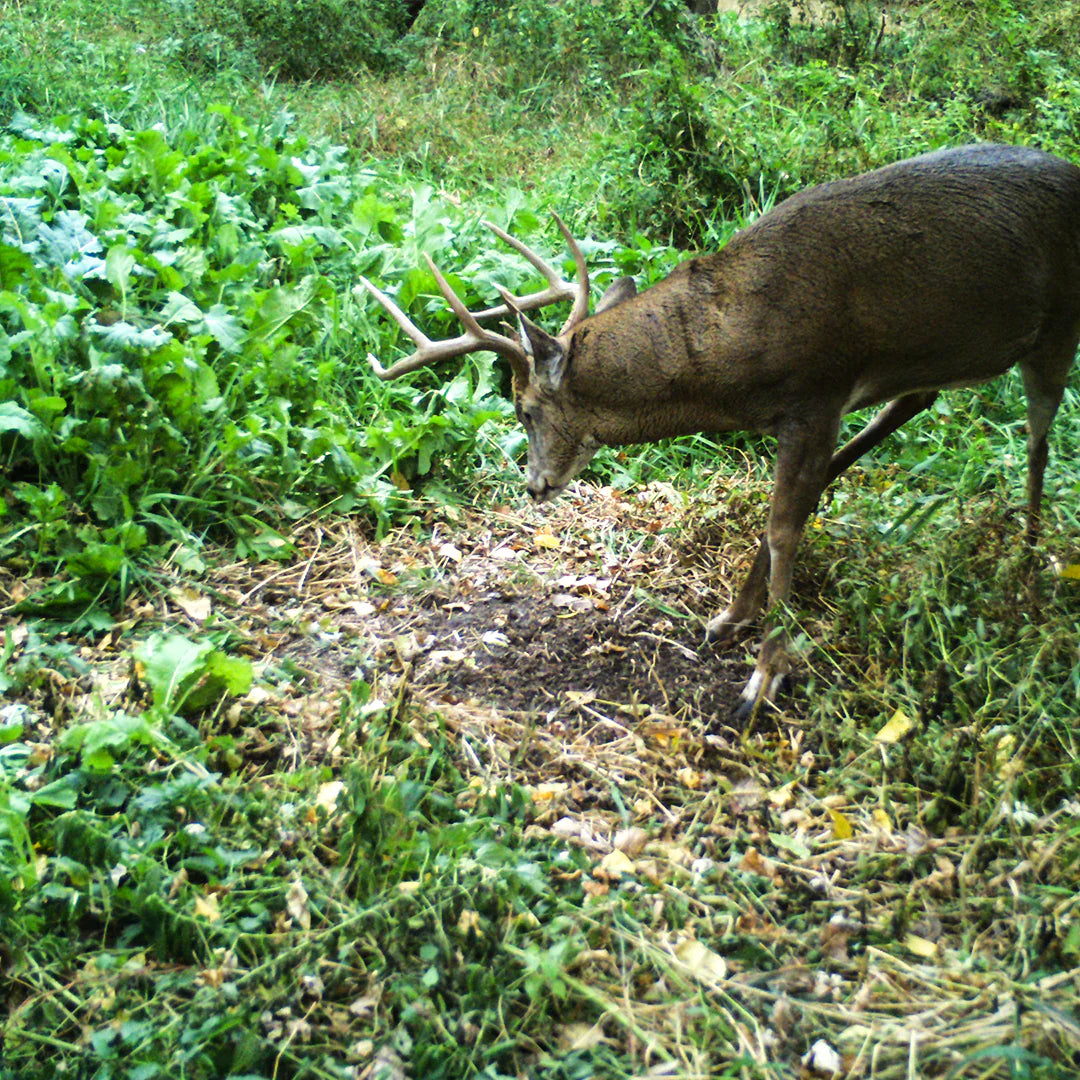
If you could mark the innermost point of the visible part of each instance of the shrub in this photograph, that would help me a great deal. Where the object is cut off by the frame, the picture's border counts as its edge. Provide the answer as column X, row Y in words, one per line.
column 298, row 39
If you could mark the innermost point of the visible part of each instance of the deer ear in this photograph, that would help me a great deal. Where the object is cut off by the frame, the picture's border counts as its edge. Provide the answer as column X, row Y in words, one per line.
column 548, row 354
column 619, row 290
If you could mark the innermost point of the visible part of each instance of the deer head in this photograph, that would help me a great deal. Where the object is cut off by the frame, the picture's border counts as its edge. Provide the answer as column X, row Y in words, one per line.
column 561, row 438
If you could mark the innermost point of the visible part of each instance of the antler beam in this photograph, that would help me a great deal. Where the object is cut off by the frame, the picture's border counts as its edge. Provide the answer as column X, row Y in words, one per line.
column 476, row 338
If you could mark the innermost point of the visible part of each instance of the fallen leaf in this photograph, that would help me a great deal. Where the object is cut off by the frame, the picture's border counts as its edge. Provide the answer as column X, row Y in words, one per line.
column 195, row 605
column 755, row 863
column 899, row 724
column 296, row 904
column 1071, row 572
column 207, row 907
column 704, row 964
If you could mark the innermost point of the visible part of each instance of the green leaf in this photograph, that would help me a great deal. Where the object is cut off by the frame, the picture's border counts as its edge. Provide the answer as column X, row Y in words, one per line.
column 119, row 263
column 169, row 662
column 59, row 794
column 15, row 418
column 225, row 329
column 15, row 267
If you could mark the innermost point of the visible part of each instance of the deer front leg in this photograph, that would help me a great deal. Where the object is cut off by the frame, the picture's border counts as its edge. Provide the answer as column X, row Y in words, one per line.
column 751, row 596
column 803, row 457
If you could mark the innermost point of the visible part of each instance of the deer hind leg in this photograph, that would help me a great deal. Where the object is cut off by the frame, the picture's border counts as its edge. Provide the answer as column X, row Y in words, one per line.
column 751, row 596
column 803, row 457
column 1044, row 384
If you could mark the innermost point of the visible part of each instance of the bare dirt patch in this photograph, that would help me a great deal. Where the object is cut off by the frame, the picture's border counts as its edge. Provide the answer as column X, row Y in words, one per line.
column 597, row 606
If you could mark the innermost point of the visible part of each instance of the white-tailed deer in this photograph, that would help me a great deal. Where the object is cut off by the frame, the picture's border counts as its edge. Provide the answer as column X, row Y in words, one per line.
column 940, row 271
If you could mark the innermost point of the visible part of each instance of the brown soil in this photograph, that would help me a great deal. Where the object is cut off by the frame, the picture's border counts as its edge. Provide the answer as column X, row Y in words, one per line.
column 597, row 606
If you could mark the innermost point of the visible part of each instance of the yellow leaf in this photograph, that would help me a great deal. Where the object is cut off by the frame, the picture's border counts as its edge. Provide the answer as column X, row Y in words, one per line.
column 920, row 946
column 544, row 538
column 543, row 793
column 1072, row 572
column 702, row 962
column 841, row 827
column 616, row 864
column 665, row 735
column 898, row 726
column 206, row 907
column 882, row 821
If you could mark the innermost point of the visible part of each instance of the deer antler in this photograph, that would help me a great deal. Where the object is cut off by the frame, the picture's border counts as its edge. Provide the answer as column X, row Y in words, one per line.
column 476, row 338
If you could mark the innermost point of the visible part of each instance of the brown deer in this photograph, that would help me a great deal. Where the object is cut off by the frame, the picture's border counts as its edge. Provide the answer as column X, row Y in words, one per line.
column 939, row 271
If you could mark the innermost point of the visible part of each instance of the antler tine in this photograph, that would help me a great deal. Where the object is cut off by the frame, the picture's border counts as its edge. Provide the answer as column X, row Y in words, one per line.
column 474, row 339
column 409, row 363
column 558, row 288
column 581, row 295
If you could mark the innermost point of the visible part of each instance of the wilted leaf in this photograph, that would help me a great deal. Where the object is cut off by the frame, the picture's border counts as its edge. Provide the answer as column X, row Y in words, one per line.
column 898, row 726
column 206, row 907
column 296, row 904
column 700, row 961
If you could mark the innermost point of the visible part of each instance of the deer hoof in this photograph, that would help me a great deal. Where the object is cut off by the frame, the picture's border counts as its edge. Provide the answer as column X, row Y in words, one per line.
column 723, row 627
column 761, row 688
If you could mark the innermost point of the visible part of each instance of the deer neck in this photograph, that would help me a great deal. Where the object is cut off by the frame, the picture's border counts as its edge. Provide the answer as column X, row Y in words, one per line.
column 648, row 368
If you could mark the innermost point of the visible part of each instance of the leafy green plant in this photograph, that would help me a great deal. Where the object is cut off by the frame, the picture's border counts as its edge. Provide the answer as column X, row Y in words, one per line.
column 309, row 39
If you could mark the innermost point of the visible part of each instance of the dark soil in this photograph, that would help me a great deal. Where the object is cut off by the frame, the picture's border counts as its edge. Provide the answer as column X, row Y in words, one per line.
column 540, row 652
